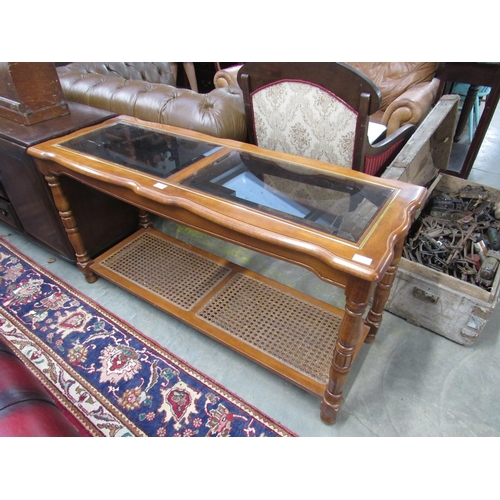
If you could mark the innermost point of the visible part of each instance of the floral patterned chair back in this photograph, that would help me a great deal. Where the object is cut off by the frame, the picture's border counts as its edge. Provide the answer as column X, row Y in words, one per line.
column 296, row 117
column 316, row 110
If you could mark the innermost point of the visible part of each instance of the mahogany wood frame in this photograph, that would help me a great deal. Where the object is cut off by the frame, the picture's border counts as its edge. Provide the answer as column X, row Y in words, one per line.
column 355, row 267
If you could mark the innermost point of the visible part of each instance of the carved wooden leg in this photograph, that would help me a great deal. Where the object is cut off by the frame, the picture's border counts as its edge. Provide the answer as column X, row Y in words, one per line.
column 144, row 220
column 382, row 291
column 357, row 293
column 69, row 223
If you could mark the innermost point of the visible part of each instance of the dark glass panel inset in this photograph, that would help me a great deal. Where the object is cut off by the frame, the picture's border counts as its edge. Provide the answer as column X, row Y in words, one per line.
column 334, row 204
column 128, row 145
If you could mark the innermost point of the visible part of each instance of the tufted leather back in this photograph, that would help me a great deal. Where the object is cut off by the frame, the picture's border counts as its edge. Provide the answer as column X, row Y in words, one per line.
column 219, row 113
column 153, row 72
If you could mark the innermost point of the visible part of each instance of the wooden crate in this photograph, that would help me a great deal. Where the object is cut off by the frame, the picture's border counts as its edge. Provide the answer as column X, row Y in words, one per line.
column 428, row 150
column 441, row 303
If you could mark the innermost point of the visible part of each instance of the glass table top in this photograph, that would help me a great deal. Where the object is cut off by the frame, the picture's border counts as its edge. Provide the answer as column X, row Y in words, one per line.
column 147, row 150
column 338, row 205
column 330, row 203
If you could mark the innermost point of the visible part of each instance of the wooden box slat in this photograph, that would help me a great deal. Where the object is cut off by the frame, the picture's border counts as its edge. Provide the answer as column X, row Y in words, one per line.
column 436, row 301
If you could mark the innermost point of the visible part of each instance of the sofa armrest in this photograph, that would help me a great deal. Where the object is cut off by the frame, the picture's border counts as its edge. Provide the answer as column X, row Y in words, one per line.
column 219, row 113
column 411, row 107
column 226, row 77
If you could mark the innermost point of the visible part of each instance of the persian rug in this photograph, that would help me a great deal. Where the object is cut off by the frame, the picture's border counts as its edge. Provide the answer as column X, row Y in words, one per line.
column 108, row 378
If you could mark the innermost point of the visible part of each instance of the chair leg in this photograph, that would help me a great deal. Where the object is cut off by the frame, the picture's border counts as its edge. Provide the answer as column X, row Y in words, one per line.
column 476, row 112
column 467, row 106
column 191, row 75
column 472, row 119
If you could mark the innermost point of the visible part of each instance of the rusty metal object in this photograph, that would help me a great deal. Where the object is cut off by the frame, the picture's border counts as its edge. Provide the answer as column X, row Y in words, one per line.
column 458, row 234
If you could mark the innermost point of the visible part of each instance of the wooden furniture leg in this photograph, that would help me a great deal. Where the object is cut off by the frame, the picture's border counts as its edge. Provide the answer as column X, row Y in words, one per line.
column 476, row 74
column 481, row 130
column 144, row 220
column 69, row 223
column 382, row 291
column 357, row 293
column 466, row 110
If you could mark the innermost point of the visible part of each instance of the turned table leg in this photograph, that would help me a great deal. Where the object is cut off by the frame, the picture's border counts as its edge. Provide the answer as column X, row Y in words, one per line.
column 69, row 223
column 350, row 330
column 144, row 220
column 382, row 291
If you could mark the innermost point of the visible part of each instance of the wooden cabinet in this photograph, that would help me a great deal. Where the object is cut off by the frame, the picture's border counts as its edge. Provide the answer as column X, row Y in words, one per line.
column 25, row 200
column 30, row 92
column 425, row 296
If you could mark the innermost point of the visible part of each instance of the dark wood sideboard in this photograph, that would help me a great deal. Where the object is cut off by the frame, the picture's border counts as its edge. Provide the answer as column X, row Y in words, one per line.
column 26, row 203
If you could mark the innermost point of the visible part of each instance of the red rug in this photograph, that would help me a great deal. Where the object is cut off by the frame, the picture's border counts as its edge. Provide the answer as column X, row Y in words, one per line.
column 108, row 377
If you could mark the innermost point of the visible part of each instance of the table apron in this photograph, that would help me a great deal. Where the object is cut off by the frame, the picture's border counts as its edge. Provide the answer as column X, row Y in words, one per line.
column 319, row 267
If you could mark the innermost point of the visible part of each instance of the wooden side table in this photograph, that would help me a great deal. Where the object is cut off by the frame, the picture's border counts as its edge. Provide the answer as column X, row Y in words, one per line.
column 346, row 227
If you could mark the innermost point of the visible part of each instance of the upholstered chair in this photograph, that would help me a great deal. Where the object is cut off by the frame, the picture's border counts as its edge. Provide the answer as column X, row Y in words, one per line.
column 319, row 111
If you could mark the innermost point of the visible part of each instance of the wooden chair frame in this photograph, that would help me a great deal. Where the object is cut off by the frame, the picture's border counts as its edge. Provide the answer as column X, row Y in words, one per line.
column 347, row 84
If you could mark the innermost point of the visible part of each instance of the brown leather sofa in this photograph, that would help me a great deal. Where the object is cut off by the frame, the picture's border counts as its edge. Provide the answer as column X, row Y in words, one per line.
column 409, row 89
column 146, row 90
column 227, row 76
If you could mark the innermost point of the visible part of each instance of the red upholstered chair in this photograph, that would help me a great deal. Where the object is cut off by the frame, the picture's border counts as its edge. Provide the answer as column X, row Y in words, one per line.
column 319, row 111
column 26, row 409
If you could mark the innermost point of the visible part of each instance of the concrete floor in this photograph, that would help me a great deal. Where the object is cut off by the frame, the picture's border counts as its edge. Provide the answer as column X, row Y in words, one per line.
column 410, row 382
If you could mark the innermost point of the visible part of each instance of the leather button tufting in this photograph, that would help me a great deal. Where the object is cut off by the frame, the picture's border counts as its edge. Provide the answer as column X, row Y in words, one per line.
column 117, row 87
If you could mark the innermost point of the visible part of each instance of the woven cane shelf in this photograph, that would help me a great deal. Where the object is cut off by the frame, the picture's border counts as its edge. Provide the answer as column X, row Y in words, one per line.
column 286, row 331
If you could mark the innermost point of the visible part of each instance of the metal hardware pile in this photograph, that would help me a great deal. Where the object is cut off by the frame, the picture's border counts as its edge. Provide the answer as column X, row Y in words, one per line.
column 459, row 235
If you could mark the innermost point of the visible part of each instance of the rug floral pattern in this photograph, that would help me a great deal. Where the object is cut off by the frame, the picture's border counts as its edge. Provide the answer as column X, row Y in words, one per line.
column 108, row 376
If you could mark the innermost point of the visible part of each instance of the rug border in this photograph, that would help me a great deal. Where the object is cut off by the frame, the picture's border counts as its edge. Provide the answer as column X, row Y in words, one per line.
column 54, row 391
column 210, row 383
